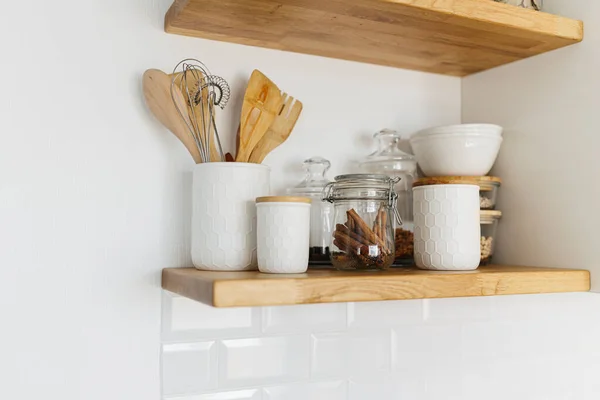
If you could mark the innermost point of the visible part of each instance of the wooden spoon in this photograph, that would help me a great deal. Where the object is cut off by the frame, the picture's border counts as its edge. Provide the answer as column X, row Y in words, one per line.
column 279, row 131
column 157, row 92
column 262, row 102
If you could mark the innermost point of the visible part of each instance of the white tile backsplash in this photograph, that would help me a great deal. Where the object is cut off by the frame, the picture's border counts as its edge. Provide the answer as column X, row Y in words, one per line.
column 384, row 313
column 188, row 320
column 459, row 308
column 249, row 394
column 263, row 360
column 335, row 390
column 350, row 354
column 382, row 387
column 305, row 318
column 189, row 367
column 510, row 347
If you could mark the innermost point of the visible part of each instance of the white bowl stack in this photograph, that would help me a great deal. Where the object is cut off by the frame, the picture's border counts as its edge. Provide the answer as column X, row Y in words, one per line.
column 457, row 150
column 447, row 227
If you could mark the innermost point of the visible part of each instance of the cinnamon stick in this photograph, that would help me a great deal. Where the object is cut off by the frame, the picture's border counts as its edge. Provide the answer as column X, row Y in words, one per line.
column 367, row 233
column 345, row 230
column 349, row 244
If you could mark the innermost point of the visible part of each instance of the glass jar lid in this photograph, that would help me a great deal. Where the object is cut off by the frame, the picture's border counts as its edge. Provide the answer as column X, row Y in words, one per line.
column 360, row 187
column 314, row 180
column 388, row 156
column 356, row 187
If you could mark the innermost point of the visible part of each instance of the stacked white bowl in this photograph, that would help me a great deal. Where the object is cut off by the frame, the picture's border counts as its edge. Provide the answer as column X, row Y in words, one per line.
column 457, row 150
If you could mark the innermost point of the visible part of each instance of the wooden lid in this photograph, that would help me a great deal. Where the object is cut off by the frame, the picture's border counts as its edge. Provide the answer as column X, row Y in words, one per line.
column 457, row 180
column 283, row 199
column 487, row 217
column 491, row 213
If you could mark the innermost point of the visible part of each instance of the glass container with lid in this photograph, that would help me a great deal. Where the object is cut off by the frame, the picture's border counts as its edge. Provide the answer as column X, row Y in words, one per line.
column 321, row 211
column 364, row 208
column 390, row 160
column 489, row 222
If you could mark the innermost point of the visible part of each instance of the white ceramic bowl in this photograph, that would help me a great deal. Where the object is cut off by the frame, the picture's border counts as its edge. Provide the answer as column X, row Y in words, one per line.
column 479, row 129
column 451, row 154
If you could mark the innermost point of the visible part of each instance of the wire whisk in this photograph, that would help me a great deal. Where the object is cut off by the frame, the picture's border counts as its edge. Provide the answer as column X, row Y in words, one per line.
column 202, row 92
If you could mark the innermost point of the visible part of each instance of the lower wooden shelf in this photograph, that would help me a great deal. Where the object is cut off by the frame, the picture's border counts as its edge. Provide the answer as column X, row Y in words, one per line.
column 240, row 289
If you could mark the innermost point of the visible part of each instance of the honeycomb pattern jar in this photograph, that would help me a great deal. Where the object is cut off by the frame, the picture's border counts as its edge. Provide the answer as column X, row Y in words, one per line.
column 283, row 233
column 447, row 230
column 224, row 215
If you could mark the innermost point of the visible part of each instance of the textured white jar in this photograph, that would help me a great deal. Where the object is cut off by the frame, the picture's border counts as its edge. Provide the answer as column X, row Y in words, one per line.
column 224, row 214
column 447, row 229
column 283, row 234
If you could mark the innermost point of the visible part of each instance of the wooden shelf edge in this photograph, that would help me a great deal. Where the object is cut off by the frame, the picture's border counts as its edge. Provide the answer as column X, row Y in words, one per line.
column 501, row 14
column 453, row 37
column 241, row 289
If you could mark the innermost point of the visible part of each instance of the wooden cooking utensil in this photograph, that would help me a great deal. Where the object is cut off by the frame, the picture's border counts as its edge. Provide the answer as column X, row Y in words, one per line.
column 157, row 93
column 262, row 102
column 279, row 130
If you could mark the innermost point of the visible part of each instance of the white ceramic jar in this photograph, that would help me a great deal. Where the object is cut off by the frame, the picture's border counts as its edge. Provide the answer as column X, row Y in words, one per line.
column 447, row 229
column 283, row 233
column 224, row 214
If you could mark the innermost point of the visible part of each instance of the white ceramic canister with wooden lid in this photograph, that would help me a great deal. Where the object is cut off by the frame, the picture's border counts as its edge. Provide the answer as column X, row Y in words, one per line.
column 447, row 229
column 283, row 234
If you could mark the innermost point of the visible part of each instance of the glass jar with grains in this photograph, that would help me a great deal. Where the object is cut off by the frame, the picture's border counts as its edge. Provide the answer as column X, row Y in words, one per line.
column 364, row 208
column 390, row 160
column 489, row 223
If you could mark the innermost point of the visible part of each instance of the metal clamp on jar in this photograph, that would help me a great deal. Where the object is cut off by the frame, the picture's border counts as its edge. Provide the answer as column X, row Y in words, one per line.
column 363, row 238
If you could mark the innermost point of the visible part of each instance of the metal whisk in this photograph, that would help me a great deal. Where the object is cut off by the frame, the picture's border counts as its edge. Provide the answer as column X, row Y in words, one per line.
column 202, row 92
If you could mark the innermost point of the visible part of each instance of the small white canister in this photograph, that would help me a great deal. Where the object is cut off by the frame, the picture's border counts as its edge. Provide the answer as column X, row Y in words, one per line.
column 283, row 233
column 447, row 229
column 224, row 214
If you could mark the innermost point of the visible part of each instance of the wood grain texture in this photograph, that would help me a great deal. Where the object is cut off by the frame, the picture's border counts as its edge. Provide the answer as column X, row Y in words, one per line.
column 279, row 131
column 262, row 102
column 157, row 92
column 237, row 289
column 452, row 37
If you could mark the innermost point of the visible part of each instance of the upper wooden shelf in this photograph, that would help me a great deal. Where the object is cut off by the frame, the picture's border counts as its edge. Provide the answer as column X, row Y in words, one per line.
column 237, row 289
column 452, row 37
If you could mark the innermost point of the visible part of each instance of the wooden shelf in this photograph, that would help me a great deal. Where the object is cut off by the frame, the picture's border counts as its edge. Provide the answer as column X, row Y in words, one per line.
column 238, row 289
column 452, row 37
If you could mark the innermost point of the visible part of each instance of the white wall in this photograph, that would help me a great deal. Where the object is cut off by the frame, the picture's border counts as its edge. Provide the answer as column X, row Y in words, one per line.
column 94, row 202
column 549, row 159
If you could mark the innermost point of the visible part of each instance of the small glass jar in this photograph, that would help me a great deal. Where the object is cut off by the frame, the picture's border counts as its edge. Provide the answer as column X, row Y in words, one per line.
column 488, row 186
column 321, row 212
column 489, row 223
column 389, row 160
column 488, row 191
column 533, row 4
column 364, row 208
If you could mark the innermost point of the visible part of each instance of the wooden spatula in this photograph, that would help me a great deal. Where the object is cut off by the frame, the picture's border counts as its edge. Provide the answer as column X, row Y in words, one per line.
column 262, row 102
column 157, row 92
column 279, row 131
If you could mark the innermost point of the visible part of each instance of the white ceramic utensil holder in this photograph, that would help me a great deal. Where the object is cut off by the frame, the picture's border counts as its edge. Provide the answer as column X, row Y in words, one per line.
column 224, row 214
column 283, row 234
column 447, row 229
